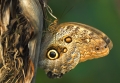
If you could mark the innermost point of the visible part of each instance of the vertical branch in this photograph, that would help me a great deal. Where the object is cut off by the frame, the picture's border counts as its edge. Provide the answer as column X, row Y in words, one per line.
column 33, row 12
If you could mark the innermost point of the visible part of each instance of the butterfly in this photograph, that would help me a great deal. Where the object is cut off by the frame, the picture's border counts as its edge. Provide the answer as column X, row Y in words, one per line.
column 69, row 44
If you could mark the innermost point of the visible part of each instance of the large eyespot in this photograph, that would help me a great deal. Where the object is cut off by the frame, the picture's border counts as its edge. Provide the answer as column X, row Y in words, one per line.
column 52, row 54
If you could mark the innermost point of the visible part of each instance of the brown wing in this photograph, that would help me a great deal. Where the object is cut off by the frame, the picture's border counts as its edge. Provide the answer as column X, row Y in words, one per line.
column 91, row 42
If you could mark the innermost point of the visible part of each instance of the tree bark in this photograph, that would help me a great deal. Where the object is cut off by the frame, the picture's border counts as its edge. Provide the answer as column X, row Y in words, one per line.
column 34, row 9
column 21, row 23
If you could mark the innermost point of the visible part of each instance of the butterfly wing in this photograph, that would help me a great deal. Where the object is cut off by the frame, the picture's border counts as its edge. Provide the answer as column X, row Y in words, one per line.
column 72, row 43
column 92, row 43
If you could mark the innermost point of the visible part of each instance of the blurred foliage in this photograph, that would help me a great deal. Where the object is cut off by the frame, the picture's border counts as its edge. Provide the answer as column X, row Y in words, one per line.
column 102, row 14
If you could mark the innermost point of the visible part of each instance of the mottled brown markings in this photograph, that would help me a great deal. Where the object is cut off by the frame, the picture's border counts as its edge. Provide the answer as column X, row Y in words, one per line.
column 77, row 28
column 98, row 32
column 69, row 27
column 84, row 40
column 91, row 34
column 85, row 36
column 75, row 32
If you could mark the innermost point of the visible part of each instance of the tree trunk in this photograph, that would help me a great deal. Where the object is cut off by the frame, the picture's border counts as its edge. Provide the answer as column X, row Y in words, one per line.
column 21, row 23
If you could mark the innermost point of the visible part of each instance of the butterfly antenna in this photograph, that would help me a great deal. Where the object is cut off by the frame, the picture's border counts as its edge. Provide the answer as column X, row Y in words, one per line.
column 55, row 21
column 49, row 10
column 69, row 9
column 52, row 25
column 63, row 11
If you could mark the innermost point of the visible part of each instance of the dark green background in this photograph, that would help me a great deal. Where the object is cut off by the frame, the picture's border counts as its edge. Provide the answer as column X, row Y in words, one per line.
column 104, row 15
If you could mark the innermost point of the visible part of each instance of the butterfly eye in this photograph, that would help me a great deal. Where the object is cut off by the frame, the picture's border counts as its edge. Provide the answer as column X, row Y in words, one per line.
column 52, row 54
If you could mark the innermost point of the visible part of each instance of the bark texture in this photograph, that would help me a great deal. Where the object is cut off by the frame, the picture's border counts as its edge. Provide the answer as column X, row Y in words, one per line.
column 21, row 23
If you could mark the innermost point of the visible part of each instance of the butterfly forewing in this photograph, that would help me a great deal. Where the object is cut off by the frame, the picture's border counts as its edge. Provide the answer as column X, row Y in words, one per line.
column 91, row 42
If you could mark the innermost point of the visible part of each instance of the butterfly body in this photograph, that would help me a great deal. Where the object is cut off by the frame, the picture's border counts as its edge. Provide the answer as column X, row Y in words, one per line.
column 70, row 44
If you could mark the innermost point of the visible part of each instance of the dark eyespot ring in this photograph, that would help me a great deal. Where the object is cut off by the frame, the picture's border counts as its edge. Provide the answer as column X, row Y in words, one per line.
column 68, row 39
column 52, row 54
column 64, row 50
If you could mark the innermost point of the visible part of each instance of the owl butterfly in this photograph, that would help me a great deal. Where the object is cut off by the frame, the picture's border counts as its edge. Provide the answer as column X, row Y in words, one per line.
column 67, row 44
